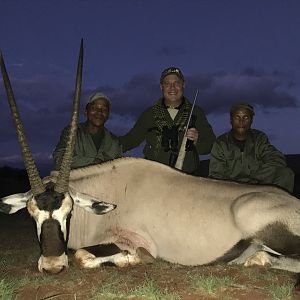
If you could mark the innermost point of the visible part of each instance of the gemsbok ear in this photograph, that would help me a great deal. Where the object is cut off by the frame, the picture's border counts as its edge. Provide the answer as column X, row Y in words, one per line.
column 91, row 204
column 13, row 203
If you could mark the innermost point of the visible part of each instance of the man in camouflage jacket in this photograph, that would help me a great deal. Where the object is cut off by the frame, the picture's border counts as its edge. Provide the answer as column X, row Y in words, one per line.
column 162, row 126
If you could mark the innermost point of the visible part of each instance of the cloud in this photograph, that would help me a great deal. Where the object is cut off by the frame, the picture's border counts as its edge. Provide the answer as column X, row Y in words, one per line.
column 18, row 65
column 134, row 96
column 44, row 108
column 259, row 89
column 217, row 91
column 44, row 162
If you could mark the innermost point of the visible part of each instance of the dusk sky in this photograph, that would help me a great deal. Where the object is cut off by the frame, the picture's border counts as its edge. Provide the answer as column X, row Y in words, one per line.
column 231, row 50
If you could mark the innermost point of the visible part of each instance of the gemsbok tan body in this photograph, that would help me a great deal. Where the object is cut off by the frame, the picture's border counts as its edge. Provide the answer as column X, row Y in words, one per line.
column 152, row 211
column 180, row 218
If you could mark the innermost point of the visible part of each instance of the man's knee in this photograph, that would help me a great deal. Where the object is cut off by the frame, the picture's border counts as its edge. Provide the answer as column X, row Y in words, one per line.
column 284, row 178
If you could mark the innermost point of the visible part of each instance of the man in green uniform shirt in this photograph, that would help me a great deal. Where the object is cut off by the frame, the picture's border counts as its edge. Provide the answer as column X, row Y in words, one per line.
column 245, row 154
column 94, row 143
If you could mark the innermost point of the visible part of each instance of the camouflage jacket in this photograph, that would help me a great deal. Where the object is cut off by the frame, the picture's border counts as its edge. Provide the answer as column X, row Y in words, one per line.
column 146, row 129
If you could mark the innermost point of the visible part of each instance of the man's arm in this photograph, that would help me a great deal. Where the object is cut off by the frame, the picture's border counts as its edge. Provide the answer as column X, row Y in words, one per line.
column 60, row 148
column 110, row 147
column 269, row 158
column 206, row 136
column 79, row 159
column 217, row 164
column 136, row 135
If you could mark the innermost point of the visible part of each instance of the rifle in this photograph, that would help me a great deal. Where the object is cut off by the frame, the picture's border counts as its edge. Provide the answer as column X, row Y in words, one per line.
column 182, row 151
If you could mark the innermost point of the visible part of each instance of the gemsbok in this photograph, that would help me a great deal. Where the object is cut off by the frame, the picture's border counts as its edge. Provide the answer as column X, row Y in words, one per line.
column 154, row 211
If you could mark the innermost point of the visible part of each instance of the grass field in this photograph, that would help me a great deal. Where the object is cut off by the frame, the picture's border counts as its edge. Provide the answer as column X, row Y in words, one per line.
column 20, row 279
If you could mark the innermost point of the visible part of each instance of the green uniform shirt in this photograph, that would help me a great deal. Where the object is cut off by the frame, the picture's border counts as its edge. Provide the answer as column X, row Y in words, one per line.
column 259, row 162
column 85, row 151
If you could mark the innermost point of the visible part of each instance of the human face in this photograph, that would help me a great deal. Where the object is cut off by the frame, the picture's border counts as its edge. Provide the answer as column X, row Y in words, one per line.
column 241, row 121
column 97, row 114
column 172, row 89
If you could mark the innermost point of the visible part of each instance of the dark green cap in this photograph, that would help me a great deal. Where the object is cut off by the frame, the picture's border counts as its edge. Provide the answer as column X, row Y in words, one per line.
column 242, row 106
column 171, row 70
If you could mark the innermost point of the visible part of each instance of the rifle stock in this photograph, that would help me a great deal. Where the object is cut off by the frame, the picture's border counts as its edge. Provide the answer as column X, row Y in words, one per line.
column 181, row 154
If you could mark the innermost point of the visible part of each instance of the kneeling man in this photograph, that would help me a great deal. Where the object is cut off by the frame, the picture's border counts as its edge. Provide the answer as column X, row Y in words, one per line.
column 244, row 154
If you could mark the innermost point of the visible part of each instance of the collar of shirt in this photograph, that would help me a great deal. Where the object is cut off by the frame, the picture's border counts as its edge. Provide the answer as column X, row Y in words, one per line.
column 177, row 107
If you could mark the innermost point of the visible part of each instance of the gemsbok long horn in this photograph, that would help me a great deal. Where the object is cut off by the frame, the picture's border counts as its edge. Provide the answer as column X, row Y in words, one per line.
column 62, row 183
column 37, row 187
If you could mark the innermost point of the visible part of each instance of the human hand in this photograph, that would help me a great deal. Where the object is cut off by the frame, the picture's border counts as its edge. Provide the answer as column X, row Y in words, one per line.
column 192, row 134
column 97, row 161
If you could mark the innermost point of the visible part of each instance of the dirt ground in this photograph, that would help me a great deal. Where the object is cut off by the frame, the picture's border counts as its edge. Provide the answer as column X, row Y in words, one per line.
column 20, row 251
